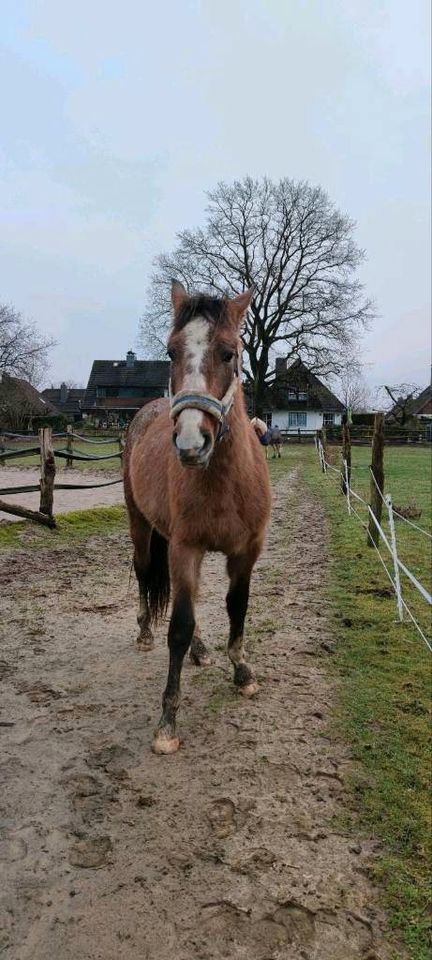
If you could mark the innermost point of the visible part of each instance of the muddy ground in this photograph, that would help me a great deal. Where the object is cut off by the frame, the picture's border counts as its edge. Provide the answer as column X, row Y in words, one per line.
column 230, row 848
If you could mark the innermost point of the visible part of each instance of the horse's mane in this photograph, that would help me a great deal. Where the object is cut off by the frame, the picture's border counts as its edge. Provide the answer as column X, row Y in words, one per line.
column 211, row 308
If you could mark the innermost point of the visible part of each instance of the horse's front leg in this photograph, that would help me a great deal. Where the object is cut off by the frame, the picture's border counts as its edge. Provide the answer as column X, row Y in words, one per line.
column 184, row 563
column 239, row 571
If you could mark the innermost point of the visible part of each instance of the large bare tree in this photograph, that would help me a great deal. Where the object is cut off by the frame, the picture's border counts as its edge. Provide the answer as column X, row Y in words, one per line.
column 288, row 241
column 23, row 348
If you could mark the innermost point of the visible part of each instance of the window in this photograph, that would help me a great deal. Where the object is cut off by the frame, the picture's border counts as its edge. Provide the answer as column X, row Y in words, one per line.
column 297, row 394
column 328, row 419
column 297, row 419
column 100, row 391
column 268, row 419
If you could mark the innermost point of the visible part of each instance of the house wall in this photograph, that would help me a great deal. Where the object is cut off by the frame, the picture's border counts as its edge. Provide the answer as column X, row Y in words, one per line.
column 314, row 420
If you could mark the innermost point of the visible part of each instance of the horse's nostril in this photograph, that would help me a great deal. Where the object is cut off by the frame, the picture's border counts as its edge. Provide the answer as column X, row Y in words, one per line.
column 174, row 438
column 207, row 440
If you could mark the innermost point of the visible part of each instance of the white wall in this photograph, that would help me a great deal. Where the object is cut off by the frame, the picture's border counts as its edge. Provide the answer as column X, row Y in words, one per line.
column 314, row 420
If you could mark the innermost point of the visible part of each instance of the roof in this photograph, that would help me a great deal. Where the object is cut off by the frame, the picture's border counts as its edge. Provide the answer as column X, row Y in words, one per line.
column 148, row 377
column 420, row 402
column 72, row 404
column 299, row 377
column 15, row 391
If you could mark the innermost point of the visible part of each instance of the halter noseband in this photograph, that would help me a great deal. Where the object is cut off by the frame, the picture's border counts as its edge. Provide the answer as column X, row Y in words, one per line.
column 200, row 400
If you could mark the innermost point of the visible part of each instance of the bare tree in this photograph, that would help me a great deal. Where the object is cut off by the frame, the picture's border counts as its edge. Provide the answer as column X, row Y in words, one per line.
column 402, row 396
column 288, row 240
column 23, row 348
column 352, row 389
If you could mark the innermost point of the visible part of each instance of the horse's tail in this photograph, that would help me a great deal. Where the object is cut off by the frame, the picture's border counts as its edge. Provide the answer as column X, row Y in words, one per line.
column 157, row 578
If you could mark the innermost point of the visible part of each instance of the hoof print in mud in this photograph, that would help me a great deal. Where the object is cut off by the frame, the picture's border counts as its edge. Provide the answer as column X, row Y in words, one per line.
column 91, row 852
column 224, row 817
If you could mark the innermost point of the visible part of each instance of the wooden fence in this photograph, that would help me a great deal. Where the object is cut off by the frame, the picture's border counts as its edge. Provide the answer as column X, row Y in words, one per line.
column 47, row 484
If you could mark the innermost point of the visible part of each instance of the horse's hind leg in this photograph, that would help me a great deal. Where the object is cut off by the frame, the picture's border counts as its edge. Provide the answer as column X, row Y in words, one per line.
column 239, row 571
column 141, row 537
column 199, row 654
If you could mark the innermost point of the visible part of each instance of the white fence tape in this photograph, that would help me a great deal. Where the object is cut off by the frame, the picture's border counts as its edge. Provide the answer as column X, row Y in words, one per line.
column 391, row 544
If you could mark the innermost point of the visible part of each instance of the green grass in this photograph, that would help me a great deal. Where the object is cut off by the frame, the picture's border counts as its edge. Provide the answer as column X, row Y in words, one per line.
column 71, row 527
column 384, row 666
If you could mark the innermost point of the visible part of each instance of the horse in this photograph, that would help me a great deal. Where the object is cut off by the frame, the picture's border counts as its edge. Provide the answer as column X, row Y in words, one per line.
column 196, row 480
column 262, row 432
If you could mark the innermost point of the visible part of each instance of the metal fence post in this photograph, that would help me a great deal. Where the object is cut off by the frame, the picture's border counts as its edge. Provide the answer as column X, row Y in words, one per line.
column 393, row 541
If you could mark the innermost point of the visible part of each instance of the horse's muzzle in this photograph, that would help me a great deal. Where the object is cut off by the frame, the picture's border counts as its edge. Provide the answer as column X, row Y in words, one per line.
column 194, row 456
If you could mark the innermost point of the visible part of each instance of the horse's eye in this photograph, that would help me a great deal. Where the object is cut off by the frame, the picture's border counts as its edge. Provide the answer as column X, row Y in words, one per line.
column 227, row 356
column 171, row 354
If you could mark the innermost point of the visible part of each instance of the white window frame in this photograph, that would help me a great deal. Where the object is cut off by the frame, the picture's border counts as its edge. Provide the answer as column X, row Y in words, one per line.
column 296, row 419
column 328, row 419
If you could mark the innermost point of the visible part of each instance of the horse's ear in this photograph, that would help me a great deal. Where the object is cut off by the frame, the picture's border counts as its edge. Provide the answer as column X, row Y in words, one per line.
column 179, row 295
column 237, row 307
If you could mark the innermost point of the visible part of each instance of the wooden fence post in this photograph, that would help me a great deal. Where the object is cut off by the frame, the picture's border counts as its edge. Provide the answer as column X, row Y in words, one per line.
column 69, row 445
column 47, row 464
column 346, row 458
column 377, row 479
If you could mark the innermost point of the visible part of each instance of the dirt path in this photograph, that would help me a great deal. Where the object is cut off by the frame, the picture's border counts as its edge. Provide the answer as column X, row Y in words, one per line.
column 228, row 849
column 64, row 500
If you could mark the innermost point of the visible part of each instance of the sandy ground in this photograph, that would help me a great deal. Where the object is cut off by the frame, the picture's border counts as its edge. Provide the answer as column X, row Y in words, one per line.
column 228, row 849
column 64, row 500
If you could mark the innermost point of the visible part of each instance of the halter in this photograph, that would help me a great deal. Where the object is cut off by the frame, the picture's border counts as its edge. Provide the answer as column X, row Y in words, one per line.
column 200, row 400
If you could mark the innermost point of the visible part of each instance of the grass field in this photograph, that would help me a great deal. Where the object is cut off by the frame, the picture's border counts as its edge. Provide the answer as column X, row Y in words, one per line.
column 385, row 673
column 89, row 449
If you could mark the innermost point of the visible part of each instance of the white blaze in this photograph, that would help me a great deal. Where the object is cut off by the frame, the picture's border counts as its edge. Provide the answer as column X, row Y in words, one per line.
column 189, row 421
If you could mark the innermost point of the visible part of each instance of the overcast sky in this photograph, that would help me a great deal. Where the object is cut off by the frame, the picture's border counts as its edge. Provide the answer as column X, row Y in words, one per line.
column 117, row 117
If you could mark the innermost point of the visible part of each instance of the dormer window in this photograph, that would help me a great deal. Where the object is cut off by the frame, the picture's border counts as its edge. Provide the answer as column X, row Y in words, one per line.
column 297, row 394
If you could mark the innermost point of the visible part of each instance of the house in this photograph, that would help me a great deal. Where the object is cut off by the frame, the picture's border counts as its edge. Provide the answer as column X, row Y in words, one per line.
column 67, row 400
column 423, row 404
column 406, row 409
column 298, row 400
column 21, row 403
column 118, row 388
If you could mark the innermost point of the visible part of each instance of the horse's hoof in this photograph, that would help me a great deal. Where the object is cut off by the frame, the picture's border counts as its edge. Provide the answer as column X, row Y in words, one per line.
column 250, row 689
column 198, row 654
column 145, row 645
column 145, row 640
column 163, row 744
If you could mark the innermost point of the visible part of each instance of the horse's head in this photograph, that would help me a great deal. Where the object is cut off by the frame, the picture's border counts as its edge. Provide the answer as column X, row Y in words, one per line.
column 204, row 347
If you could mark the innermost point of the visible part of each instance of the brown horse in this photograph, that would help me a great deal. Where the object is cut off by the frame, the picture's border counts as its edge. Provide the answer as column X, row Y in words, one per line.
column 196, row 480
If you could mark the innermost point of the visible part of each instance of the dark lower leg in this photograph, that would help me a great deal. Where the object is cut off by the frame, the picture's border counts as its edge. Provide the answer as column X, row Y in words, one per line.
column 180, row 635
column 145, row 637
column 237, row 604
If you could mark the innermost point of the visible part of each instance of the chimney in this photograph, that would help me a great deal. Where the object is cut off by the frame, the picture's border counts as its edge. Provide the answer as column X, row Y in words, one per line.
column 130, row 359
column 280, row 367
column 63, row 392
